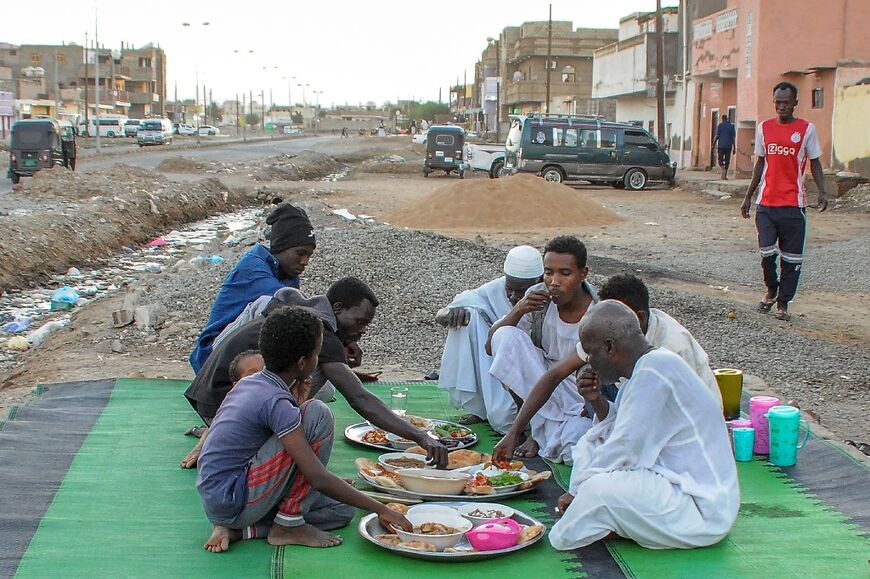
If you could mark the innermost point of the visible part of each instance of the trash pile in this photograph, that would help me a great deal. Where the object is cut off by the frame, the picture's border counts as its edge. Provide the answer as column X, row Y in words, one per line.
column 306, row 166
column 77, row 217
column 856, row 198
column 392, row 164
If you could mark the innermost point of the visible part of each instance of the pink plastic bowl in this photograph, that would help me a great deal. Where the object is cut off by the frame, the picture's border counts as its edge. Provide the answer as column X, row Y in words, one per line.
column 494, row 535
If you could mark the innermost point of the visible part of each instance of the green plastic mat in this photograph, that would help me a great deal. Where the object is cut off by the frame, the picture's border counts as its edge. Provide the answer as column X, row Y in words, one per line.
column 359, row 558
column 782, row 531
column 126, row 509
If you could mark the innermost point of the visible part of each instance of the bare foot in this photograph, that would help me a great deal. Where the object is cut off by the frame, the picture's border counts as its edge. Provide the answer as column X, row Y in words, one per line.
column 305, row 535
column 220, row 539
column 469, row 419
column 190, row 459
column 528, row 449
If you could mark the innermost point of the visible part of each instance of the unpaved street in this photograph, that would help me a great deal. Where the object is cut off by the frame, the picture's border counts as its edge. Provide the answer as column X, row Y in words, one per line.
column 697, row 255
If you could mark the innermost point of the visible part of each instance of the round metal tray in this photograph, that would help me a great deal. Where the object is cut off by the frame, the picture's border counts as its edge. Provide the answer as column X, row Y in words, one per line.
column 355, row 432
column 447, row 498
column 370, row 526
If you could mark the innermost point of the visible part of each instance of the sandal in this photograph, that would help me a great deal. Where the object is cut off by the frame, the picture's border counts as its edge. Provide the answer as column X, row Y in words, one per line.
column 764, row 305
column 782, row 315
column 861, row 446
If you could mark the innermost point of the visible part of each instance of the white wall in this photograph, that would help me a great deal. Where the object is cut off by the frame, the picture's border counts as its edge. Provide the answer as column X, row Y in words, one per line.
column 619, row 73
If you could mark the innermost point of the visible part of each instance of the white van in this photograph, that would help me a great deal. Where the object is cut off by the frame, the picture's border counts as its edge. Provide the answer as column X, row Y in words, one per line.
column 109, row 126
column 154, row 132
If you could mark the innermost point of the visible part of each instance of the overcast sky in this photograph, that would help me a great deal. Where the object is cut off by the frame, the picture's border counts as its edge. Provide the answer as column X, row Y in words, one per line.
column 352, row 51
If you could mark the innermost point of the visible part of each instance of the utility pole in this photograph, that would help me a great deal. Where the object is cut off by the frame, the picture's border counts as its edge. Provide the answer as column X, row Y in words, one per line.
column 211, row 101
column 498, row 90
column 87, row 126
column 271, row 114
column 250, row 103
column 550, row 57
column 97, row 89
column 660, row 75
column 244, row 120
column 684, row 12
column 262, row 110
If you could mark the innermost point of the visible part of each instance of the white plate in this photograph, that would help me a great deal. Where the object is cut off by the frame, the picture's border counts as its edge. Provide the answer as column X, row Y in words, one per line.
column 370, row 526
column 355, row 432
column 430, row 497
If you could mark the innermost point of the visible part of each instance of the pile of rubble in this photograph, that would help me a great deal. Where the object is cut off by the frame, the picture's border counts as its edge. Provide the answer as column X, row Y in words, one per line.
column 856, row 198
column 78, row 217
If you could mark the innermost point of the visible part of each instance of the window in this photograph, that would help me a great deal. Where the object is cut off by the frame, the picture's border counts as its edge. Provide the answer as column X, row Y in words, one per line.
column 608, row 138
column 818, row 98
column 144, row 62
column 61, row 59
column 568, row 74
column 445, row 140
column 639, row 140
column 589, row 138
column 564, row 137
column 35, row 58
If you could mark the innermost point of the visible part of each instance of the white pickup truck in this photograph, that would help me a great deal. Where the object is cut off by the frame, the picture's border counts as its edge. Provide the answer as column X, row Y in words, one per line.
column 489, row 158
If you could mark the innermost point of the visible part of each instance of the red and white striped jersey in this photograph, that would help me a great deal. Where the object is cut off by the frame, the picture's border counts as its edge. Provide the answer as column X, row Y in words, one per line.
column 785, row 148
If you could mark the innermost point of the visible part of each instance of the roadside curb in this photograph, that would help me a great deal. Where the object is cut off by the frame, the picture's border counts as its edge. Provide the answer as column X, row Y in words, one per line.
column 92, row 154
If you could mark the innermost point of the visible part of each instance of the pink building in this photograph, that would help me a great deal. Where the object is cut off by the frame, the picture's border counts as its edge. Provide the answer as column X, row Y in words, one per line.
column 739, row 54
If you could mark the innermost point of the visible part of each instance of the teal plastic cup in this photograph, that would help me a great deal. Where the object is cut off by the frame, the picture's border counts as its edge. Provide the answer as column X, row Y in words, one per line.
column 744, row 440
column 784, row 423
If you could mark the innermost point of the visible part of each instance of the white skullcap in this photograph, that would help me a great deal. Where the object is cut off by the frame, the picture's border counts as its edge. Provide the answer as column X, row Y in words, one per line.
column 524, row 262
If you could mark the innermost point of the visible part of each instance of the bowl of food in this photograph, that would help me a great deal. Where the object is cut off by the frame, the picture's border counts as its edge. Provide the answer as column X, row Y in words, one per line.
column 479, row 513
column 452, row 435
column 398, row 442
column 501, row 481
column 441, row 530
column 433, row 482
column 398, row 460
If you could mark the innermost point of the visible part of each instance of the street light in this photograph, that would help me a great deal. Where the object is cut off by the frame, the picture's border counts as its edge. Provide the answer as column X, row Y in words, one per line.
column 304, row 102
column 244, row 53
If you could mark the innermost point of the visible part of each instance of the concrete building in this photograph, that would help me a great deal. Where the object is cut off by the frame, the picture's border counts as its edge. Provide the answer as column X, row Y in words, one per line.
column 486, row 85
column 147, row 84
column 522, row 68
column 626, row 71
column 740, row 53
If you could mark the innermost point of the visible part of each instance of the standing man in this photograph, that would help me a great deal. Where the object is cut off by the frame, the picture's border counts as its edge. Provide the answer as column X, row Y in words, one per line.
column 464, row 371
column 724, row 143
column 783, row 145
column 262, row 271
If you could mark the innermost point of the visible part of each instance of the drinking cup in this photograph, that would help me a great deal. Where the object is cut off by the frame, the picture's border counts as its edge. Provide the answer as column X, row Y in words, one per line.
column 730, row 383
column 399, row 400
column 744, row 440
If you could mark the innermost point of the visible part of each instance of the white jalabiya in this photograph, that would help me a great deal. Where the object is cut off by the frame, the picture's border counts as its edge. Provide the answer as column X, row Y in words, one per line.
column 465, row 364
column 658, row 470
column 518, row 364
column 666, row 332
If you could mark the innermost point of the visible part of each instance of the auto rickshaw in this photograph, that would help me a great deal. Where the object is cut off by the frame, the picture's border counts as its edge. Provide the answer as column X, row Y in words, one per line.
column 444, row 150
column 35, row 144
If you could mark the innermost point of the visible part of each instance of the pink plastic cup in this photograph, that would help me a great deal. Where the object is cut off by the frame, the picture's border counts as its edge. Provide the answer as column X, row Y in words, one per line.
column 738, row 423
column 758, row 407
column 494, row 535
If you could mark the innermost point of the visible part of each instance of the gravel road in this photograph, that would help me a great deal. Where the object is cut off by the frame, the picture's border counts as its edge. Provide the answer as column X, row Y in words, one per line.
column 415, row 273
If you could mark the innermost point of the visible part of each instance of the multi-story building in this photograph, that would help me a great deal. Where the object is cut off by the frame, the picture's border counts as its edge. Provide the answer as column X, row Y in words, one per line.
column 524, row 72
column 147, row 85
column 741, row 52
column 486, row 85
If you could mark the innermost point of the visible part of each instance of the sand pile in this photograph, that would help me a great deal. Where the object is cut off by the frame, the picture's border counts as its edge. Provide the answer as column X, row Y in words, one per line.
column 180, row 165
column 517, row 203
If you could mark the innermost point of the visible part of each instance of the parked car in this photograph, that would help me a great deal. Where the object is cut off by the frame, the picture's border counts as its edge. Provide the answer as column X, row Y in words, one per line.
column 292, row 130
column 110, row 126
column 208, row 130
column 155, row 132
column 186, row 130
column 444, row 147
column 586, row 148
column 131, row 127
column 489, row 158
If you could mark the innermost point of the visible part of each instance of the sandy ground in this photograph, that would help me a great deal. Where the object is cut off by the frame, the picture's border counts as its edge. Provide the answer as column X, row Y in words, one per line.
column 660, row 227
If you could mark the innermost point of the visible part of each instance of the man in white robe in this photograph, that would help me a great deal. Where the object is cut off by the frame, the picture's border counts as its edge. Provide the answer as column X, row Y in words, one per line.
column 464, row 371
column 657, row 467
column 539, row 333
column 660, row 330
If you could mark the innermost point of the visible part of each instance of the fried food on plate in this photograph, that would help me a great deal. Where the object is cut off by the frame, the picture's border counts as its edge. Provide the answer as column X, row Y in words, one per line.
column 386, row 482
column 398, row 508
column 462, row 458
column 536, row 480
column 418, row 546
column 375, row 436
column 529, row 533
column 416, row 450
column 417, row 421
column 393, row 540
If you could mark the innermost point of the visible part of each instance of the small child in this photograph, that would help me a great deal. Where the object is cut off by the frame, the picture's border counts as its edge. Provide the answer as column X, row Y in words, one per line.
column 262, row 470
column 243, row 365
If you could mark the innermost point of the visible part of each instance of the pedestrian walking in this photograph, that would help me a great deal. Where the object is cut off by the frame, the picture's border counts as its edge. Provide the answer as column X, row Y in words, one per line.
column 726, row 138
column 783, row 145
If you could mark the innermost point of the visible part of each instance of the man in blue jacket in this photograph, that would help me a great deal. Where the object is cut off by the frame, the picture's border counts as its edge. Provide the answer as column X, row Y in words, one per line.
column 260, row 272
column 725, row 144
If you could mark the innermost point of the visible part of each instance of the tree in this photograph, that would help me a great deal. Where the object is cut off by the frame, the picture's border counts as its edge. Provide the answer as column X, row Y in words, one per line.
column 252, row 119
column 426, row 110
column 297, row 118
column 215, row 112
